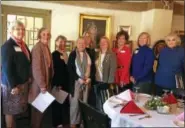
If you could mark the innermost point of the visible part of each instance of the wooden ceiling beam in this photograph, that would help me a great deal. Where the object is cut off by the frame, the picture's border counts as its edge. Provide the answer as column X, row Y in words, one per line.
column 121, row 5
column 129, row 6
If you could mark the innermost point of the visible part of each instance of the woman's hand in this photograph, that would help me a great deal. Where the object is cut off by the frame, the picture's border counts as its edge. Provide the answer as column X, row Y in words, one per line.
column 43, row 90
column 15, row 91
column 87, row 81
column 81, row 81
column 132, row 80
column 59, row 88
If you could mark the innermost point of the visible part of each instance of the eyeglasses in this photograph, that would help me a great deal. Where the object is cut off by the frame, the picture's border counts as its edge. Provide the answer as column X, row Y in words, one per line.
column 19, row 29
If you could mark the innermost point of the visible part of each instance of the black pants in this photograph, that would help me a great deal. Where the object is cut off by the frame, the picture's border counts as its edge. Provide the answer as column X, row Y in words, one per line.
column 125, row 87
column 144, row 87
column 61, row 113
column 160, row 90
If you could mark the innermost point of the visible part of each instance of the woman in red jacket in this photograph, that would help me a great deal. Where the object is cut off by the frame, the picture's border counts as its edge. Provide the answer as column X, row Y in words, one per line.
column 123, row 55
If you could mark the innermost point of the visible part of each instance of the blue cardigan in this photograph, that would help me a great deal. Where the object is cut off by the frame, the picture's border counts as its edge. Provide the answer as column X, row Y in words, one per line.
column 142, row 64
column 171, row 62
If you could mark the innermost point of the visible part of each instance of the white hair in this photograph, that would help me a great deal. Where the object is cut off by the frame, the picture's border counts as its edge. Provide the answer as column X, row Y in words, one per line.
column 14, row 24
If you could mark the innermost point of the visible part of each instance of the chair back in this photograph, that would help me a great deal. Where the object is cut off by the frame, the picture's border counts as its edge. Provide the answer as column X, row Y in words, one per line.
column 103, row 91
column 93, row 118
column 180, row 85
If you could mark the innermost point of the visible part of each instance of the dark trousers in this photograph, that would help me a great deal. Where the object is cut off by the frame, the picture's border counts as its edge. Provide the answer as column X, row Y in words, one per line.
column 144, row 87
column 92, row 97
column 61, row 113
column 41, row 120
column 125, row 87
column 160, row 90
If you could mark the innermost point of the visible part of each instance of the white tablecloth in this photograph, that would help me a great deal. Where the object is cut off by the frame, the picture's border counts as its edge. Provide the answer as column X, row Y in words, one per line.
column 124, row 120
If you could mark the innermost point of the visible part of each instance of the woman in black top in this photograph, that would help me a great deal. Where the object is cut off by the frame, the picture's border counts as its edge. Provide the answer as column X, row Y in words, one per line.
column 60, row 112
column 91, row 51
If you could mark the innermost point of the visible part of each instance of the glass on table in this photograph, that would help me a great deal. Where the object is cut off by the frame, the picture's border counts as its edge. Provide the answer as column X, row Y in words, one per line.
column 136, row 93
column 165, row 94
column 180, row 102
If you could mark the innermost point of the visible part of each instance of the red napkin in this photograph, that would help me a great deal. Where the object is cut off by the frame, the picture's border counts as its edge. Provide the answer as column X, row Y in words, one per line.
column 131, row 107
column 170, row 99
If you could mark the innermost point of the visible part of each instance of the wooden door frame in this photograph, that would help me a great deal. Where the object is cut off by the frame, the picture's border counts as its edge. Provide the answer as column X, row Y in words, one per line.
column 6, row 9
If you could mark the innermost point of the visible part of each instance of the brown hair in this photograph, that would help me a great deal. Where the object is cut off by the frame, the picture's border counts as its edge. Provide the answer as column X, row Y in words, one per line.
column 108, row 41
column 60, row 37
column 122, row 33
column 177, row 38
column 40, row 31
column 148, row 36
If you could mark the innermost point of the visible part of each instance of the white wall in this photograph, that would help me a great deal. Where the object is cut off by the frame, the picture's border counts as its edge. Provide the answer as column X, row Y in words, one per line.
column 162, row 24
column 178, row 22
column 157, row 22
column 65, row 18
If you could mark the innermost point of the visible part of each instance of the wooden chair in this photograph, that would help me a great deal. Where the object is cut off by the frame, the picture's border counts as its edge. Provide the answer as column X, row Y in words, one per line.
column 180, row 86
column 93, row 118
column 102, row 92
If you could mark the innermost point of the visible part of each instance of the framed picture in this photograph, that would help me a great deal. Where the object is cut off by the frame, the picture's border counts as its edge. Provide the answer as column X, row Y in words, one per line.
column 69, row 46
column 125, row 28
column 96, row 25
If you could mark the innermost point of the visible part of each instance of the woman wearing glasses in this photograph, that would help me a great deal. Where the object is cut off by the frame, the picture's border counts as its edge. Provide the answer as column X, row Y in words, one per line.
column 16, row 74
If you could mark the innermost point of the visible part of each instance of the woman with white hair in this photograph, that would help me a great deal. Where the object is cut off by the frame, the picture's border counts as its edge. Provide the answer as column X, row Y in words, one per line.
column 16, row 74
column 79, row 67
column 171, row 62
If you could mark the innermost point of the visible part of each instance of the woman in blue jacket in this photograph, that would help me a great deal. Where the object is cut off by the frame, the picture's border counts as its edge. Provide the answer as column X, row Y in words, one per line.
column 142, row 64
column 171, row 62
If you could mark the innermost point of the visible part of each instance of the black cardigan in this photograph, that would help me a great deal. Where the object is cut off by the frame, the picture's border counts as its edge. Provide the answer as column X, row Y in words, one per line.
column 16, row 68
column 92, row 55
column 73, row 76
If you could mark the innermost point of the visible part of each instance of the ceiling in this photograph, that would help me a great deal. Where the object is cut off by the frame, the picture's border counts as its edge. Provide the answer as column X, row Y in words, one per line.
column 130, row 5
column 180, row 2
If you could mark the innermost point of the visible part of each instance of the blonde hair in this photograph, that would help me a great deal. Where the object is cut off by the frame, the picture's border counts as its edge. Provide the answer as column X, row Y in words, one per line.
column 148, row 36
column 84, row 35
column 80, row 38
column 108, row 42
column 177, row 38
column 16, row 23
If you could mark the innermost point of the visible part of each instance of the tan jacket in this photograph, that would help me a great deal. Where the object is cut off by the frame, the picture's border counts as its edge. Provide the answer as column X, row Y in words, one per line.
column 41, row 73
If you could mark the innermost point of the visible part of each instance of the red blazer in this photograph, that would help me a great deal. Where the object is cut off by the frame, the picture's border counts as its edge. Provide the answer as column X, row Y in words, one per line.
column 123, row 63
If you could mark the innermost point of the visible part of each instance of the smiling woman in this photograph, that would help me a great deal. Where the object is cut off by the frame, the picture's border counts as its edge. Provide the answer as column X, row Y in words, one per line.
column 42, row 71
column 16, row 74
column 171, row 62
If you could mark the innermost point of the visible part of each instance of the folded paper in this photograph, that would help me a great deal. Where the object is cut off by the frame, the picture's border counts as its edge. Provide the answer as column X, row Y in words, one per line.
column 43, row 101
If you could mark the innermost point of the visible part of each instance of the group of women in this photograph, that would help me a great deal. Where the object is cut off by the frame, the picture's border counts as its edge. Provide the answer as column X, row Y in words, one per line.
column 25, row 74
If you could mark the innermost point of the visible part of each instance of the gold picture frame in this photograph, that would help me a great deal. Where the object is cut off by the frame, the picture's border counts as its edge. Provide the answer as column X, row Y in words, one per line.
column 125, row 28
column 97, row 25
column 70, row 44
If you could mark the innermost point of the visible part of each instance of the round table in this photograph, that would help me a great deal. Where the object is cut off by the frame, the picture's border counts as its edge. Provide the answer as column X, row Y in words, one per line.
column 125, row 120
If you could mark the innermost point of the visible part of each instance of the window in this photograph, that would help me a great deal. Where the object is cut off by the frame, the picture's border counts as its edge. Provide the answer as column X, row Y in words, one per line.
column 33, row 19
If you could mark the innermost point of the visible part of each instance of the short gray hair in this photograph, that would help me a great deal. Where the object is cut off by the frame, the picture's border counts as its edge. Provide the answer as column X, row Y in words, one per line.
column 60, row 37
column 16, row 23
